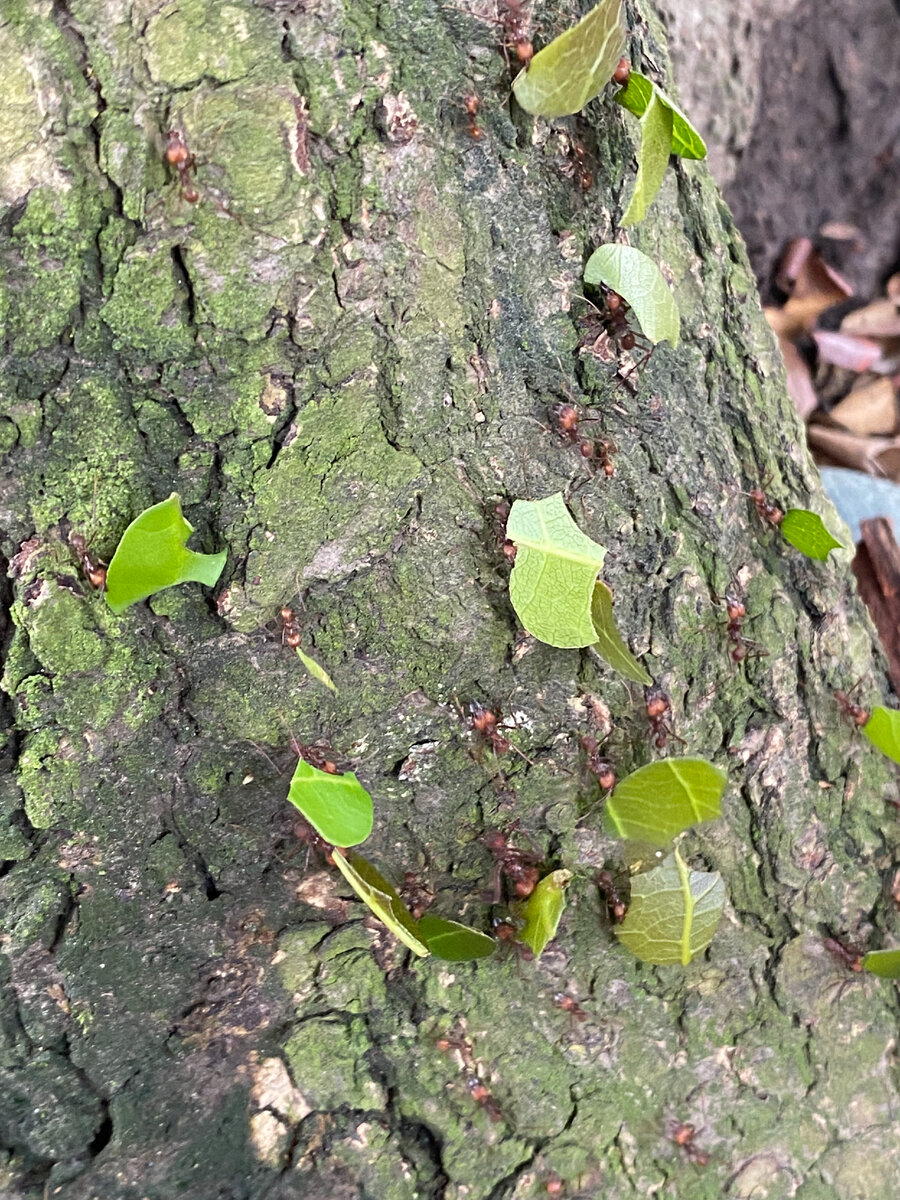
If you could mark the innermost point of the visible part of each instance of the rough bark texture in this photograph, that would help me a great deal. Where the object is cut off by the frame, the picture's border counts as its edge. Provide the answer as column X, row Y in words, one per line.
column 341, row 357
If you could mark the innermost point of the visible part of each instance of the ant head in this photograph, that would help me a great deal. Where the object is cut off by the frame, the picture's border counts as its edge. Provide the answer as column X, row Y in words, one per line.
column 495, row 840
column 567, row 415
column 735, row 608
column 622, row 73
column 657, row 702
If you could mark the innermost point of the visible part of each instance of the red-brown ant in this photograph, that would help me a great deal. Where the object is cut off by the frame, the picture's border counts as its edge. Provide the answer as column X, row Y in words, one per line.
column 599, row 767
column 500, row 515
column 768, row 513
column 516, row 26
column 622, row 73
column 314, row 842
column 94, row 568
column 179, row 156
column 736, row 612
column 472, row 103
column 570, row 1005
column 553, row 1185
column 316, row 756
column 483, row 1098
column 568, row 421
column 612, row 321
column 290, row 631
column 486, row 722
column 683, row 1134
column 577, row 166
column 847, row 955
column 507, row 934
column 658, row 705
column 854, row 713
column 415, row 895
column 615, row 905
column 521, row 867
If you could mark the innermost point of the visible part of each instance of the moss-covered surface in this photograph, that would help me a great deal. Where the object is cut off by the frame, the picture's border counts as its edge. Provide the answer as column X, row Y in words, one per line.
column 342, row 356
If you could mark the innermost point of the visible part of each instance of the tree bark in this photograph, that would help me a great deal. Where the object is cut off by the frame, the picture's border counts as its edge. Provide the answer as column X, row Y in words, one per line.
column 342, row 356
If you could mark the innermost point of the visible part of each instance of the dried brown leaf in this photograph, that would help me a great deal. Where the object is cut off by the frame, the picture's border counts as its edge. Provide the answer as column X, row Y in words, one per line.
column 881, row 318
column 869, row 409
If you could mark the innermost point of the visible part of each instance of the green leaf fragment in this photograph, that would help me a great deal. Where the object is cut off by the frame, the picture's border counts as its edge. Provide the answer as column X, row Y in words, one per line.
column 454, row 942
column 576, row 66
column 152, row 555
column 883, row 731
column 552, row 582
column 673, row 913
column 806, row 532
column 657, row 802
column 375, row 891
column 885, row 963
column 653, row 159
column 639, row 281
column 318, row 673
column 609, row 644
column 543, row 911
column 637, row 95
column 337, row 806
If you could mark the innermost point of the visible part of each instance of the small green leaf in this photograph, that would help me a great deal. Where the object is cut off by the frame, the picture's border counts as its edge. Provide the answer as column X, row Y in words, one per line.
column 653, row 158
column 657, row 802
column 673, row 913
column 576, row 66
column 317, row 672
column 544, row 909
column 807, row 533
column 373, row 889
column 885, row 963
column 454, row 942
column 641, row 284
column 609, row 644
column 152, row 555
column 553, row 576
column 883, row 731
column 636, row 97
column 337, row 806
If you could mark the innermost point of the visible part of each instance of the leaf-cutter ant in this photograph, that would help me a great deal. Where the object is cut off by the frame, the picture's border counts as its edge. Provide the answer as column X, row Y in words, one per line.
column 682, row 1133
column 290, row 631
column 507, row 934
column 179, row 156
column 611, row 322
column 736, row 612
column 516, row 25
column 569, row 1005
column 314, row 842
column 622, row 73
column 471, row 104
column 415, row 895
column 94, row 568
column 846, row 955
column 520, row 867
column 615, row 905
column 481, row 1094
column 568, row 421
column 499, row 517
column 577, row 165
column 316, row 755
column 768, row 513
column 658, row 705
column 854, row 713
column 600, row 768
column 486, row 722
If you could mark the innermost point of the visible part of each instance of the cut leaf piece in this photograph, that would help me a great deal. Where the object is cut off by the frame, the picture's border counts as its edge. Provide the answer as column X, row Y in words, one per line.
column 553, row 576
column 576, row 66
column 544, row 909
column 609, row 644
column 885, row 963
column 641, row 284
column 653, row 158
column 673, row 913
column 373, row 889
column 806, row 532
column 152, row 555
column 337, row 806
column 657, row 802
column 883, row 731
column 454, row 942
column 318, row 673
column 638, row 94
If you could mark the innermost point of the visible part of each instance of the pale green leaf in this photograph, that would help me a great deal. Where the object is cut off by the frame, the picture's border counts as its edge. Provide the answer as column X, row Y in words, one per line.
column 639, row 281
column 673, row 913
column 375, row 891
column 576, row 66
column 454, row 942
column 636, row 96
column 152, row 555
column 317, row 672
column 885, row 963
column 653, row 158
column 337, row 806
column 609, row 644
column 807, row 533
column 553, row 576
column 657, row 802
column 883, row 731
column 544, row 908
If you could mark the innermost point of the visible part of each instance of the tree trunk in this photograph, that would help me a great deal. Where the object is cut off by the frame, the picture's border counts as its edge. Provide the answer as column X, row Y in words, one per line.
column 342, row 355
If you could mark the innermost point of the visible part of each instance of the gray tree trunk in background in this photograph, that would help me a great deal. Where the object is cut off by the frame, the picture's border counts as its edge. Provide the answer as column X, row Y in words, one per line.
column 341, row 357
